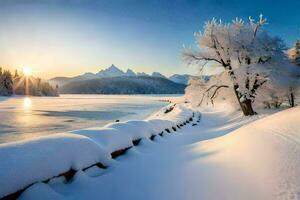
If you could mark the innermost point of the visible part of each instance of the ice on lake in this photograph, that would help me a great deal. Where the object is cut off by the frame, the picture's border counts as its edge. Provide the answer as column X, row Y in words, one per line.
column 27, row 117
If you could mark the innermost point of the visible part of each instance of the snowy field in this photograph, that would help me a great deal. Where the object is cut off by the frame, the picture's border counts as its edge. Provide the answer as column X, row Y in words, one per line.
column 34, row 160
column 208, row 161
column 22, row 118
column 222, row 156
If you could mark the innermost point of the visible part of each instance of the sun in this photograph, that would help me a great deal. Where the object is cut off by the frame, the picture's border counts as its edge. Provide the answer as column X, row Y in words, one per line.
column 27, row 71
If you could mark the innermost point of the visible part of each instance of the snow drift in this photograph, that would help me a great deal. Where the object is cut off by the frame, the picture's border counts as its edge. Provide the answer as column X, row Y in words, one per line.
column 108, row 138
column 263, row 155
column 27, row 162
column 213, row 160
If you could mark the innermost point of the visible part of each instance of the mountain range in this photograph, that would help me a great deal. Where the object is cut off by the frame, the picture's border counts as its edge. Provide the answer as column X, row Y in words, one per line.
column 115, row 81
column 124, row 85
column 114, row 71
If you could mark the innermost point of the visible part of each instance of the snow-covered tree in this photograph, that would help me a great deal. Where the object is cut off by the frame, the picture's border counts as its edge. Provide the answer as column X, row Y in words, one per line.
column 216, row 89
column 244, row 50
column 21, row 85
column 6, row 83
column 294, row 56
column 294, row 53
column 16, row 74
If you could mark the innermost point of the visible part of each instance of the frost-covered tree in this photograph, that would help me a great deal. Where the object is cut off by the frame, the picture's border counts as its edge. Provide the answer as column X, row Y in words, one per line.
column 244, row 50
column 6, row 83
column 294, row 53
column 293, row 86
column 22, row 85
column 33, row 86
column 215, row 90
column 16, row 74
column 283, row 87
column 294, row 56
column 272, row 94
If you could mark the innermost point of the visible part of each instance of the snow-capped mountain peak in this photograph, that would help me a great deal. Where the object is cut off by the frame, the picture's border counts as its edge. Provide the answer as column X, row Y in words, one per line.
column 157, row 74
column 129, row 72
column 112, row 71
column 114, row 68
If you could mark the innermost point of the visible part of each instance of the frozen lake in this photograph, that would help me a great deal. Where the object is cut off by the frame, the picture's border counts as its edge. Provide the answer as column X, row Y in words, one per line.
column 27, row 117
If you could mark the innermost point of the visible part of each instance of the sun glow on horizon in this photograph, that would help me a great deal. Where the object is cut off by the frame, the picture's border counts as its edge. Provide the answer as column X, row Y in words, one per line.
column 27, row 71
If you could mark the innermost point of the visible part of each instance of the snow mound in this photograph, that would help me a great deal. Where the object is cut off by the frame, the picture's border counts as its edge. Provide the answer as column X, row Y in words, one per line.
column 109, row 139
column 174, row 114
column 135, row 129
column 26, row 162
column 266, row 152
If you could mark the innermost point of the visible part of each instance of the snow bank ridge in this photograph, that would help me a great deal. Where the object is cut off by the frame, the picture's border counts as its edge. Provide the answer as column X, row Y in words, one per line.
column 27, row 162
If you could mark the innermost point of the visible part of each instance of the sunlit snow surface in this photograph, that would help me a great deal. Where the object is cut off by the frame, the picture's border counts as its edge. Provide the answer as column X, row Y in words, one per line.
column 220, row 158
column 27, row 117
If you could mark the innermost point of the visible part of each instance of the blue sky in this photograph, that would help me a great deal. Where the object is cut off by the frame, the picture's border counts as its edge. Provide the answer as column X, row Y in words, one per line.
column 66, row 38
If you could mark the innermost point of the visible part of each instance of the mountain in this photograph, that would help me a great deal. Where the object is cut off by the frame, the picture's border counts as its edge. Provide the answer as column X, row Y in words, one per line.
column 183, row 79
column 59, row 81
column 64, row 80
column 112, row 71
column 124, row 85
column 157, row 74
column 129, row 72
column 142, row 74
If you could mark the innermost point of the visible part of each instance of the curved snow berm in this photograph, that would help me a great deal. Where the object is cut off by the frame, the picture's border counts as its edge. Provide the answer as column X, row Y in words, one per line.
column 30, row 161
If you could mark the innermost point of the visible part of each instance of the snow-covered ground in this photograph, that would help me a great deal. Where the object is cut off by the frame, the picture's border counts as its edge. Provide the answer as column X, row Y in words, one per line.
column 42, row 158
column 225, row 156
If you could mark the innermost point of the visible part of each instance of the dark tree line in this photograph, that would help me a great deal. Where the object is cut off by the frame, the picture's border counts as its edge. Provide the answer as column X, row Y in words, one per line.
column 19, row 84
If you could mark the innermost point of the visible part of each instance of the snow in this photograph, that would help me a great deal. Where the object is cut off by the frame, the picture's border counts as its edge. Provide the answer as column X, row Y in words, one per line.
column 220, row 158
column 179, row 114
column 112, row 71
column 135, row 129
column 109, row 139
column 239, row 157
column 29, row 161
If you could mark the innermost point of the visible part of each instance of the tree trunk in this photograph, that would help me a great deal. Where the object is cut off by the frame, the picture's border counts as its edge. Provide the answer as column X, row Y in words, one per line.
column 246, row 105
column 292, row 100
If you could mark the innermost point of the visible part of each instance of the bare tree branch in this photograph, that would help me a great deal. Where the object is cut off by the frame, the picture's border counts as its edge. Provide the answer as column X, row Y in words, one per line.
column 212, row 96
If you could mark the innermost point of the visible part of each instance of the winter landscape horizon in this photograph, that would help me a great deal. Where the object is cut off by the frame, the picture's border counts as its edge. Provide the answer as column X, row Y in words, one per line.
column 152, row 100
